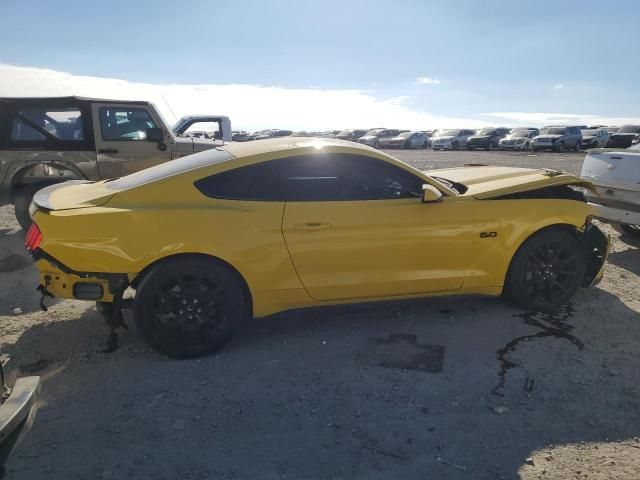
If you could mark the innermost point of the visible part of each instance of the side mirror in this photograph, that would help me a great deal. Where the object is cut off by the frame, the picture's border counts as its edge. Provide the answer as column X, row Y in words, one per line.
column 431, row 194
column 154, row 135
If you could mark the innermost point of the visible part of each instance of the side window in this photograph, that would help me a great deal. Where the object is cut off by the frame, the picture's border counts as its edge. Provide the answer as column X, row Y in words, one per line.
column 57, row 124
column 314, row 178
column 124, row 124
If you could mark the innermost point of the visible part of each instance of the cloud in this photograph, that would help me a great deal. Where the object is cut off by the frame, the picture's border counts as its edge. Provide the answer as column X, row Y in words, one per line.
column 428, row 81
column 250, row 107
column 558, row 86
column 544, row 118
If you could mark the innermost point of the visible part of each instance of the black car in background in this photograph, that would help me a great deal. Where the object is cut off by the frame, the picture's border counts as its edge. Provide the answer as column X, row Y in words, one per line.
column 487, row 138
column 623, row 137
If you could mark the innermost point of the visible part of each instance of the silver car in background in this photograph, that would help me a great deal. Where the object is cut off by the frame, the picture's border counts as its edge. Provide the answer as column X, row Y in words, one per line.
column 558, row 138
column 451, row 139
column 518, row 139
column 598, row 138
column 404, row 140
column 372, row 137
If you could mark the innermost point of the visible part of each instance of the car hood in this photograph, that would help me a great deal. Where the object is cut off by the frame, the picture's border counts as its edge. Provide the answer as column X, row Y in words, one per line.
column 513, row 137
column 546, row 137
column 489, row 182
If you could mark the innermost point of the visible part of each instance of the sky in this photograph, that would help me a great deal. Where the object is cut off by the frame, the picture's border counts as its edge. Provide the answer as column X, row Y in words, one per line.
column 315, row 65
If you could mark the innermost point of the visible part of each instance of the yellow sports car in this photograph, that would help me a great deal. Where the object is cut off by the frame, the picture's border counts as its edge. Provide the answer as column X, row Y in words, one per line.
column 249, row 229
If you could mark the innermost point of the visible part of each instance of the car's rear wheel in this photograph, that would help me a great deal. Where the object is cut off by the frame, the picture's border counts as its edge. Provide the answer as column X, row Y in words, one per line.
column 546, row 270
column 631, row 229
column 190, row 306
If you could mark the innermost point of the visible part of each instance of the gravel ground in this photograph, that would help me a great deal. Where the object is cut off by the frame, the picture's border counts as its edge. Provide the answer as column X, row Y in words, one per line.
column 499, row 393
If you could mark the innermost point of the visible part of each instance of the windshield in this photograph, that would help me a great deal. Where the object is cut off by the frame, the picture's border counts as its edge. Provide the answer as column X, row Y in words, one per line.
column 449, row 133
column 406, row 134
column 375, row 131
column 520, row 133
column 629, row 129
column 345, row 132
column 486, row 131
column 553, row 131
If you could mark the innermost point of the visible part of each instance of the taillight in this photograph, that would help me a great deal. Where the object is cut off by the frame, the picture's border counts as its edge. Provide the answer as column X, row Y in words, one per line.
column 34, row 237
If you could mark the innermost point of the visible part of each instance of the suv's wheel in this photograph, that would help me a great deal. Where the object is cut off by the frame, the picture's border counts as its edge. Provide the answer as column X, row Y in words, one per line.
column 21, row 201
column 189, row 307
column 631, row 229
column 559, row 147
column 546, row 270
column 578, row 146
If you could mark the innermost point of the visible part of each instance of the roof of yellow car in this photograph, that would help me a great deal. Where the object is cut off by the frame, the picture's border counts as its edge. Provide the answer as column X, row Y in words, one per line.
column 243, row 149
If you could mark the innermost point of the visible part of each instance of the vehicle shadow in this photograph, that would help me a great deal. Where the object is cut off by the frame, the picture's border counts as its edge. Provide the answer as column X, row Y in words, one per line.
column 628, row 259
column 288, row 398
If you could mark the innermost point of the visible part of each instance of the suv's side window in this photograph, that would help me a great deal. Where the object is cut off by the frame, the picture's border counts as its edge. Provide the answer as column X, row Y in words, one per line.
column 123, row 124
column 39, row 124
column 318, row 177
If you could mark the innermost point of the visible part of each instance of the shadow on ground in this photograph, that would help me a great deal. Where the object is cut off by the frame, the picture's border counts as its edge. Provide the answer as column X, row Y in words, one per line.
column 289, row 398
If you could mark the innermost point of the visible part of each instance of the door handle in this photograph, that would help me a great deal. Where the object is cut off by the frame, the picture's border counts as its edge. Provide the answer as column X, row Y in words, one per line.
column 108, row 150
column 312, row 226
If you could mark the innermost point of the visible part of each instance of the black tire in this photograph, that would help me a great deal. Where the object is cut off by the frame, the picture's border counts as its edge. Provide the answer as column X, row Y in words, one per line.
column 190, row 306
column 527, row 146
column 455, row 146
column 631, row 229
column 546, row 271
column 21, row 201
column 559, row 147
column 578, row 146
column 407, row 144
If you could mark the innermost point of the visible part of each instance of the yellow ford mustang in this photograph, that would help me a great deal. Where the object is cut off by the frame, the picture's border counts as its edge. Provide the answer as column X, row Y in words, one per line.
column 246, row 230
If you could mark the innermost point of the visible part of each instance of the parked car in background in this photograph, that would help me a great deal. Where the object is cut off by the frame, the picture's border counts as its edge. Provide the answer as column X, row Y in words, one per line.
column 558, row 138
column 597, row 138
column 241, row 136
column 636, row 140
column 338, row 223
column 51, row 140
column 486, row 138
column 271, row 133
column 404, row 140
column 623, row 137
column 518, row 139
column 615, row 174
column 373, row 137
column 451, row 139
column 351, row 134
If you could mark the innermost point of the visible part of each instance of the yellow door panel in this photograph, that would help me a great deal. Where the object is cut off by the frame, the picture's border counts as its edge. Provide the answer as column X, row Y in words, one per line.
column 378, row 248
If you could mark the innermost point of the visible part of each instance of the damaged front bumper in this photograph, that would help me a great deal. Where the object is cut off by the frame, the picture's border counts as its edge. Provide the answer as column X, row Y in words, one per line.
column 596, row 247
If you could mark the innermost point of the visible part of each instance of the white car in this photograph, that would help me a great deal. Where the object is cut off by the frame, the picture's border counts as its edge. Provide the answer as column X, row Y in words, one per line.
column 595, row 138
column 451, row 139
column 615, row 175
column 518, row 139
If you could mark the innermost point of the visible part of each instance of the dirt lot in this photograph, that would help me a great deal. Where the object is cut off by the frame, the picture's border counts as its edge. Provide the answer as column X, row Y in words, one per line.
column 497, row 392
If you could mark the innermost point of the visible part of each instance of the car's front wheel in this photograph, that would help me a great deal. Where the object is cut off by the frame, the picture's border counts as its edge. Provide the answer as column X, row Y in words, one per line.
column 546, row 270
column 190, row 306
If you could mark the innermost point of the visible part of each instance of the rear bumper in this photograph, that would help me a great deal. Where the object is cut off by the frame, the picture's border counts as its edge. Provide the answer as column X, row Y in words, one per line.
column 17, row 414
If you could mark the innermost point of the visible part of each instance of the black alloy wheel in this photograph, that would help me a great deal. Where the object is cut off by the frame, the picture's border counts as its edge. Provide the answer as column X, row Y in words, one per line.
column 189, row 307
column 546, row 270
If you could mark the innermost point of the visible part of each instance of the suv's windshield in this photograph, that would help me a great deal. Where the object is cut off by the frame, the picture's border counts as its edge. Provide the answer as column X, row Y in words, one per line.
column 486, row 131
column 553, row 131
column 449, row 133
